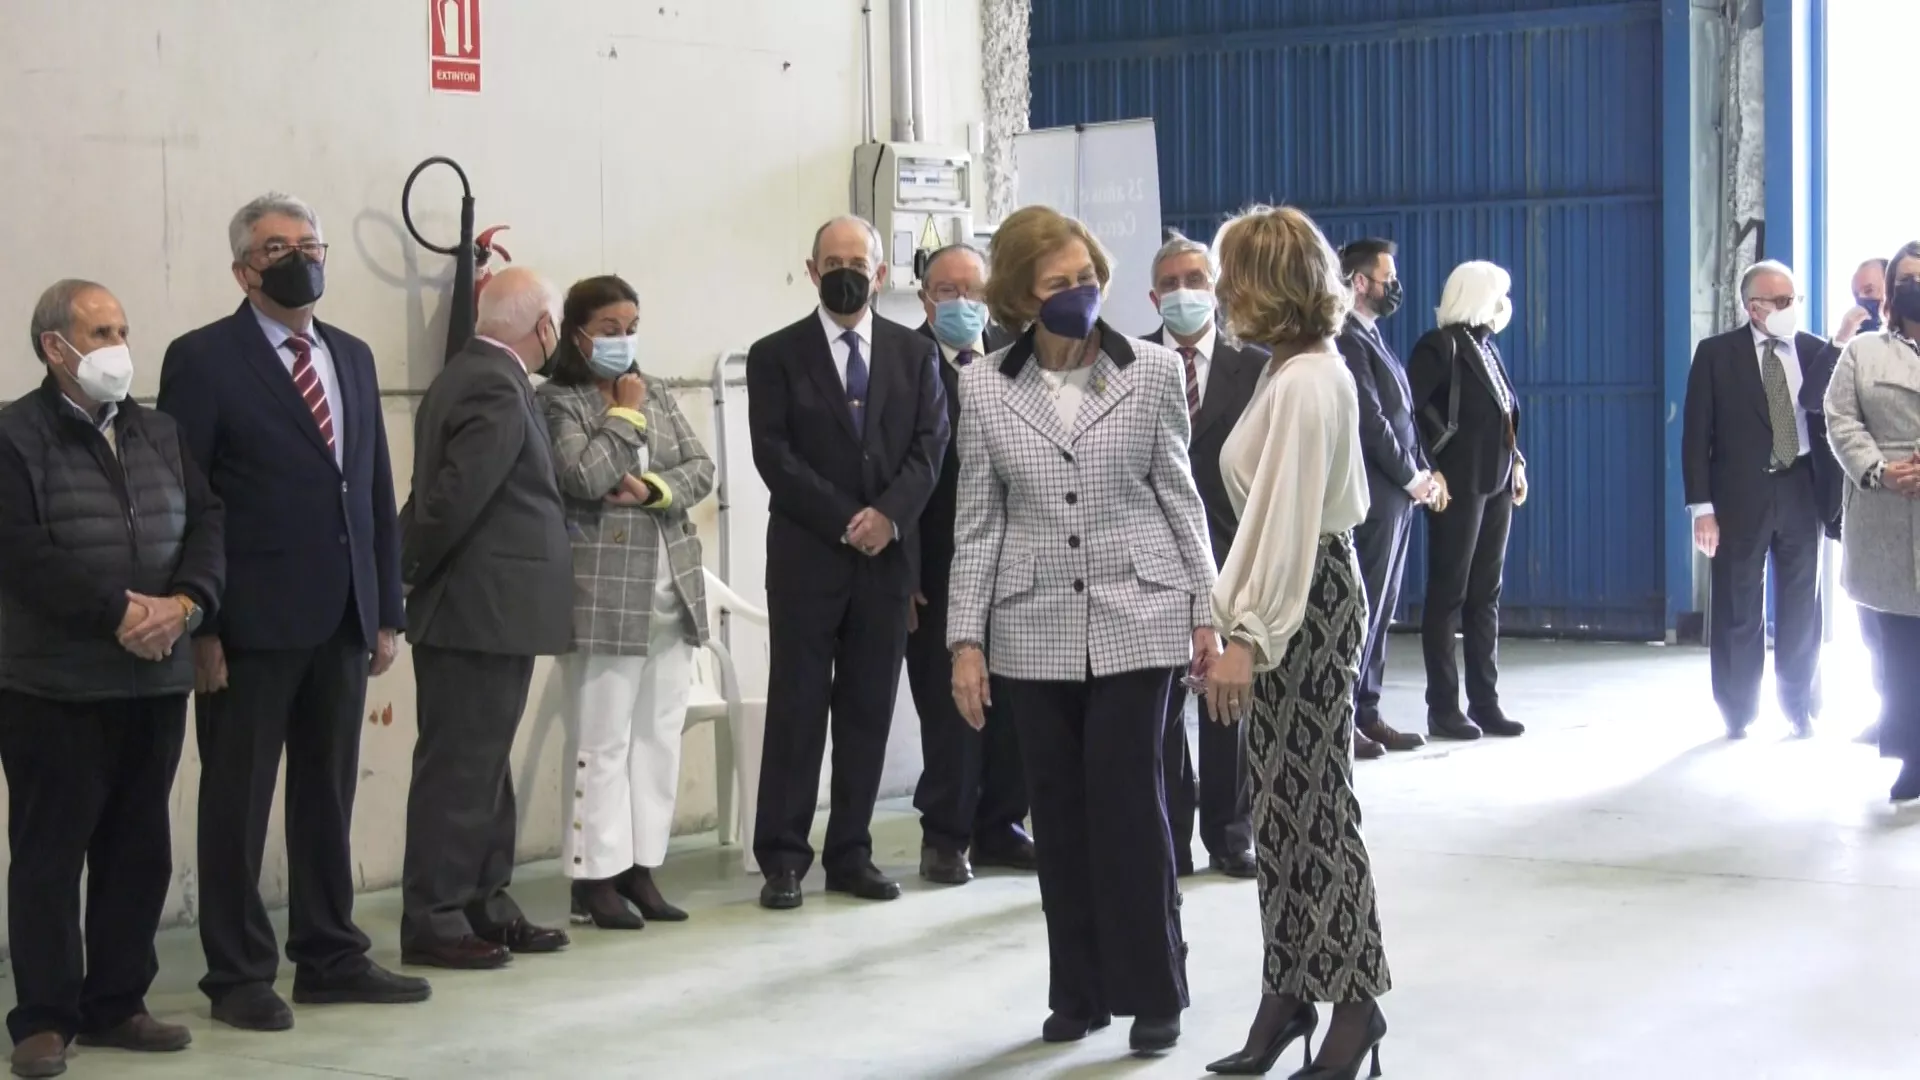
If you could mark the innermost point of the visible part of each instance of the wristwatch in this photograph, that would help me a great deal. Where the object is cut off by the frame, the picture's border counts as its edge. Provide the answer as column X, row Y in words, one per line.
column 192, row 611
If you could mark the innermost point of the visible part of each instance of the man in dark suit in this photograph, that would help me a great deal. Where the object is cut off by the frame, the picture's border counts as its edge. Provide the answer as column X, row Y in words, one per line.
column 1220, row 381
column 1747, row 456
column 283, row 413
column 972, row 795
column 849, row 421
column 489, row 572
column 1399, row 480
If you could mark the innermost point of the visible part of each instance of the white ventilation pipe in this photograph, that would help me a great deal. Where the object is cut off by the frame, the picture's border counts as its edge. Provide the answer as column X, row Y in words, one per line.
column 921, row 130
column 900, row 23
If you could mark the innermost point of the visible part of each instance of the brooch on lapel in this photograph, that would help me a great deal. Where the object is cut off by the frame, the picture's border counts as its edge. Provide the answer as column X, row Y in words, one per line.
column 1099, row 384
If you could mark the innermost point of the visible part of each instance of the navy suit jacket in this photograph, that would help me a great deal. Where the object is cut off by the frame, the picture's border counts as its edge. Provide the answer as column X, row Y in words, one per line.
column 1389, row 437
column 305, row 538
column 1231, row 376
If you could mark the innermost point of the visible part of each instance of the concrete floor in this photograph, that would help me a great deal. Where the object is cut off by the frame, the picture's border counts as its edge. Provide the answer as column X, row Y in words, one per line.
column 1621, row 893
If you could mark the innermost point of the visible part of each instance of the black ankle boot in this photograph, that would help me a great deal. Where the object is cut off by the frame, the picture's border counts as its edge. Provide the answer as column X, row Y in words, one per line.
column 1907, row 787
column 599, row 903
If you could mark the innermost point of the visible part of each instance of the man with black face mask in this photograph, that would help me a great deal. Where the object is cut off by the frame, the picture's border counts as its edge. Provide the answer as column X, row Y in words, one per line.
column 848, row 417
column 282, row 412
column 1399, row 478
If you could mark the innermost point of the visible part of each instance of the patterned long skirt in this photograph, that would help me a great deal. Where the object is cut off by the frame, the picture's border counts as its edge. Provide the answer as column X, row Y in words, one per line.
column 1316, row 884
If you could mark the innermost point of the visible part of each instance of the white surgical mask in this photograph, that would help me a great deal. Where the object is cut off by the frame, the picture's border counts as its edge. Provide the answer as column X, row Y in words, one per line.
column 1502, row 315
column 104, row 374
column 1784, row 322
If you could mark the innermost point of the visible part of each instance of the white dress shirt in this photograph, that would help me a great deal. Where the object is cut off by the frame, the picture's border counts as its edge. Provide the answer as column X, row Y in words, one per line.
column 1790, row 360
column 1294, row 471
column 277, row 336
column 839, row 346
column 1202, row 359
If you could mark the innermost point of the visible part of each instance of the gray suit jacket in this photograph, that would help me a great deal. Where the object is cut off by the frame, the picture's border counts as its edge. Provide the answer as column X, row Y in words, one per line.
column 1085, row 548
column 484, row 550
column 1873, row 416
column 616, row 549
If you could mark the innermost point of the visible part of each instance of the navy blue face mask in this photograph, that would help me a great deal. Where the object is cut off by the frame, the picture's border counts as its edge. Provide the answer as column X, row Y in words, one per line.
column 1872, row 307
column 1072, row 313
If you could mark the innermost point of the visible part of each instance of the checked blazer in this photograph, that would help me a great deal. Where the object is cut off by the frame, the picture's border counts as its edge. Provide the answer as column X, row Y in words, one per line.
column 616, row 548
column 1084, row 549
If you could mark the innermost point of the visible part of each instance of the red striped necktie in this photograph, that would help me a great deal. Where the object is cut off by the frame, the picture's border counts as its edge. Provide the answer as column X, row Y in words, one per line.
column 306, row 381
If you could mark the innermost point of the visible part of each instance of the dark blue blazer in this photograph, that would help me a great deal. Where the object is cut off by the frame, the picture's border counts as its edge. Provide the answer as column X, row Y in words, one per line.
column 1389, row 438
column 305, row 537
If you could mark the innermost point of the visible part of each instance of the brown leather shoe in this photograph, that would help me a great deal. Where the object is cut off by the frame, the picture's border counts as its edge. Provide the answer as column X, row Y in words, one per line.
column 1365, row 749
column 521, row 936
column 44, row 1054
column 467, row 954
column 1397, row 741
column 141, row 1033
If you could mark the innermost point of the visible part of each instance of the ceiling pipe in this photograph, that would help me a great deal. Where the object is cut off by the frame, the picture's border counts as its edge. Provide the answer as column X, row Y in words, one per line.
column 923, row 132
column 900, row 25
column 866, row 70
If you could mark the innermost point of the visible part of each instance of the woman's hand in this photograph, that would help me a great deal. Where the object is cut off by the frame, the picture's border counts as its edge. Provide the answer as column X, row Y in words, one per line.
column 971, row 693
column 1230, row 684
column 1519, row 483
column 1206, row 646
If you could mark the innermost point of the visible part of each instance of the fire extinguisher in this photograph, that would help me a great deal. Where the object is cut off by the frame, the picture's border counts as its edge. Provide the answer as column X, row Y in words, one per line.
column 483, row 252
column 464, row 254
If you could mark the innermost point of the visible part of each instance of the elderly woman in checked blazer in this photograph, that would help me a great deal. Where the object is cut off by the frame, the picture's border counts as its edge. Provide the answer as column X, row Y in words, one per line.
column 1080, row 581
column 629, row 468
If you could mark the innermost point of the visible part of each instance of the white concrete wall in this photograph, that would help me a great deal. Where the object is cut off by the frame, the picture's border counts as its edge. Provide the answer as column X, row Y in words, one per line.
column 690, row 145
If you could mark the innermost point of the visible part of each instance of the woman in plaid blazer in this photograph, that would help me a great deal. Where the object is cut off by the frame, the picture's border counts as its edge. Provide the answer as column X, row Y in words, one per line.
column 630, row 467
column 1080, row 580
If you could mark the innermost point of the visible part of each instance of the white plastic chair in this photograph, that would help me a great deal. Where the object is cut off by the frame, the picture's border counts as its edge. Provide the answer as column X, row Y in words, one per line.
column 717, row 697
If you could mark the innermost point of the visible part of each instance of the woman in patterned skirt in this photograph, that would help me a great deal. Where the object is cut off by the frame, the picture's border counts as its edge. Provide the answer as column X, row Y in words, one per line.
column 1290, row 601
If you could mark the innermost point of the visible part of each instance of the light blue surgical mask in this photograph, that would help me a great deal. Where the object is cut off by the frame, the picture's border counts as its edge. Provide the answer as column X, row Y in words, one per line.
column 1187, row 311
column 959, row 322
column 613, row 357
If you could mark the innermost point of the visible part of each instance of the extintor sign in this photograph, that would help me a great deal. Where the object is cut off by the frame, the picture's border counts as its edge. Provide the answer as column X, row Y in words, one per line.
column 453, row 33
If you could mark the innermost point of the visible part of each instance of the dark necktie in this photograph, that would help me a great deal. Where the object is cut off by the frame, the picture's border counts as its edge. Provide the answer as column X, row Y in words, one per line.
column 1188, row 353
column 965, row 357
column 856, row 382
column 306, row 381
column 1786, row 434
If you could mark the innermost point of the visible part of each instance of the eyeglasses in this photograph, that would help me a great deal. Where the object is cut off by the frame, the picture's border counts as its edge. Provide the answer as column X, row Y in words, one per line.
column 274, row 250
column 949, row 291
column 1777, row 303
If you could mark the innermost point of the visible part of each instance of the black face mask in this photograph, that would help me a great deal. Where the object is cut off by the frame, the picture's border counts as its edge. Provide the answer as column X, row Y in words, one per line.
column 844, row 291
column 1906, row 300
column 1390, row 300
column 294, row 282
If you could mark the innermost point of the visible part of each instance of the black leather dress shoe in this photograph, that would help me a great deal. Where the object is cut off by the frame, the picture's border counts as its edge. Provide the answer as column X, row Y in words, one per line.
column 865, row 882
column 373, row 986
column 1365, row 749
column 467, row 954
column 781, row 892
column 1239, row 864
column 1061, row 1028
column 253, row 1007
column 1395, row 741
column 1495, row 725
column 945, row 867
column 1453, row 727
column 140, row 1033
column 1153, row 1035
column 1012, row 854
column 521, row 936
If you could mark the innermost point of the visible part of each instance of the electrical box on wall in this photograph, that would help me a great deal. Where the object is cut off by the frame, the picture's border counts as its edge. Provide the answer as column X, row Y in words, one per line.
column 920, row 197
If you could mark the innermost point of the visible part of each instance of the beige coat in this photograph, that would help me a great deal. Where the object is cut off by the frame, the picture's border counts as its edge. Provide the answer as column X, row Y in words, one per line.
column 1873, row 417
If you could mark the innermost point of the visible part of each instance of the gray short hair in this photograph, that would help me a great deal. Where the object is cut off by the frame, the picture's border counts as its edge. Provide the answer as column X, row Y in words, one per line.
column 1764, row 266
column 240, row 232
column 954, row 249
column 1178, row 244
column 875, row 246
column 54, row 312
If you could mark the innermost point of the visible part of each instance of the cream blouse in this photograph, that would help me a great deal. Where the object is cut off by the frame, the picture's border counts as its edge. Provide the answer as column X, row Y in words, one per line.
column 1293, row 469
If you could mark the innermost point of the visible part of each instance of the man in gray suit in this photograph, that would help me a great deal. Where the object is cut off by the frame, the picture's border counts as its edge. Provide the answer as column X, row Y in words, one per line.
column 489, row 575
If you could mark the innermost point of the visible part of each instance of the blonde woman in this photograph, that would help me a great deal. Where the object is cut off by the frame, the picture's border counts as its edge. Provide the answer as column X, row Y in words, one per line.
column 1291, row 602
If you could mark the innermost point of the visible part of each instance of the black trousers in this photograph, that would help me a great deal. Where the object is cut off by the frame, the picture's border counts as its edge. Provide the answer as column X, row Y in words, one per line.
column 1466, row 560
column 1785, row 543
column 460, row 810
column 309, row 703
column 1094, row 773
column 972, row 790
column 1899, row 635
column 1870, row 638
column 833, row 660
column 88, row 783
column 1220, row 790
column 1381, row 543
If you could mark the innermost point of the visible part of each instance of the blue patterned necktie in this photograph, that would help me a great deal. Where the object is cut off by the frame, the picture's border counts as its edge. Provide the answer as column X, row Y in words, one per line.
column 856, row 382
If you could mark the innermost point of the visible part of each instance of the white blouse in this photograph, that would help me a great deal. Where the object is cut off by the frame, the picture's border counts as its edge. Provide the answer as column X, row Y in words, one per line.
column 1069, row 389
column 1294, row 472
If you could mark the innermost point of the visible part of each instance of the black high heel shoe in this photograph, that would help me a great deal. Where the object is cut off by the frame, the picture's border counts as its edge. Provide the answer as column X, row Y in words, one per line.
column 1063, row 1027
column 1249, row 1063
column 1376, row 1031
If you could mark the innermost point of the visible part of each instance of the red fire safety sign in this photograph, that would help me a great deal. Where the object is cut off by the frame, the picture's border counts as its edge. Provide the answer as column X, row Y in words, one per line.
column 454, row 41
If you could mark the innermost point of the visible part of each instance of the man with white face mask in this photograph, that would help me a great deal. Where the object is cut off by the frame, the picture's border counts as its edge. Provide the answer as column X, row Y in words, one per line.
column 1747, row 459
column 1220, row 381
column 110, row 554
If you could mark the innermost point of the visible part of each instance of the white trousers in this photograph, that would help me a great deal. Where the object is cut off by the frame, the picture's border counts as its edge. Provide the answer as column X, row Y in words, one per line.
column 623, row 761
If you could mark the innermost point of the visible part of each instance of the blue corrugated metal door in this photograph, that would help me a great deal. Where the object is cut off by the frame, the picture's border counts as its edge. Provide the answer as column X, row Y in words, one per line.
column 1526, row 132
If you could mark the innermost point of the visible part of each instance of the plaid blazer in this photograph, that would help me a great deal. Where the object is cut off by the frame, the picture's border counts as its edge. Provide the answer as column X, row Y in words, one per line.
column 616, row 548
column 1082, row 549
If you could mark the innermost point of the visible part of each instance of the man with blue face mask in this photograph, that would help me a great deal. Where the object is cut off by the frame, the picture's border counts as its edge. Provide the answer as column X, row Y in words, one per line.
column 972, row 795
column 1220, row 380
